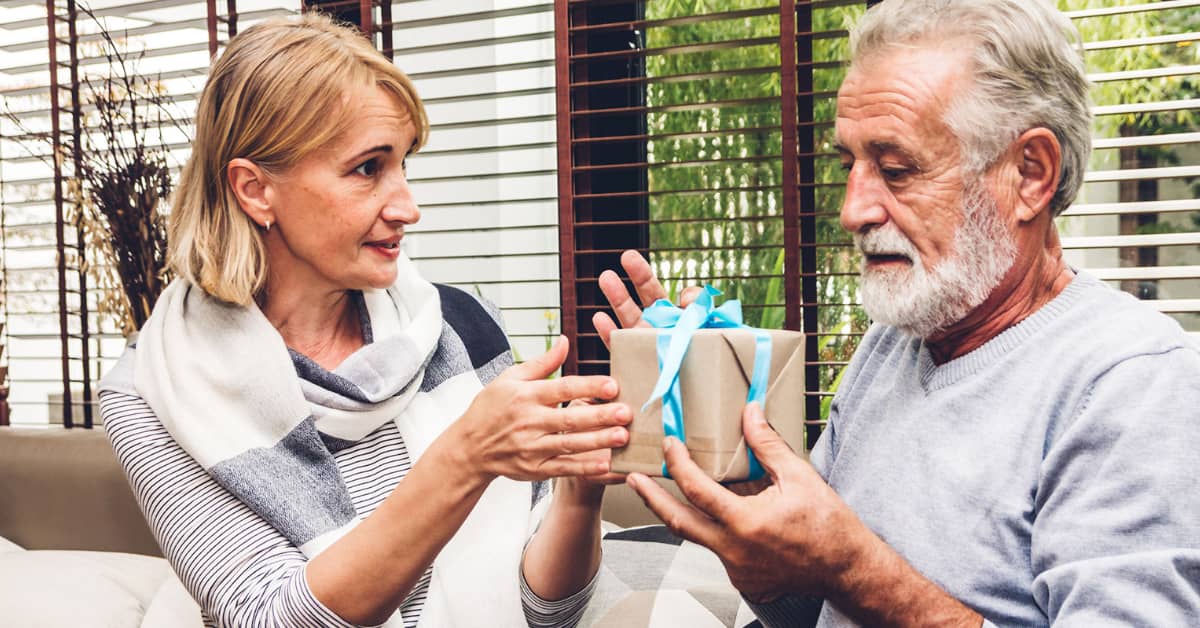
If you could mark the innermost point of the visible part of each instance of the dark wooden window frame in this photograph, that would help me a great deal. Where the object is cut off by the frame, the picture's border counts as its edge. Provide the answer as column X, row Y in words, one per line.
column 580, row 297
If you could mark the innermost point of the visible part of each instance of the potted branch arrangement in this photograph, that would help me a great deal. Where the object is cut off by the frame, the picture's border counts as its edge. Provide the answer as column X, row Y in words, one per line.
column 121, row 182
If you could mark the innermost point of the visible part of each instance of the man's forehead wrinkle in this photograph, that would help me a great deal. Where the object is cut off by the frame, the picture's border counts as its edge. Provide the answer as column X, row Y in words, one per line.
column 883, row 123
column 929, row 77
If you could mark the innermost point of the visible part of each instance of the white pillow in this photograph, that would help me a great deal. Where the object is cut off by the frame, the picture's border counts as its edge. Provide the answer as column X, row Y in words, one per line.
column 8, row 546
column 52, row 588
column 649, row 578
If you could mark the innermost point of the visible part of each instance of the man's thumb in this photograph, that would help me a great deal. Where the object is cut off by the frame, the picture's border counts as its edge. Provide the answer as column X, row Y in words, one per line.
column 768, row 446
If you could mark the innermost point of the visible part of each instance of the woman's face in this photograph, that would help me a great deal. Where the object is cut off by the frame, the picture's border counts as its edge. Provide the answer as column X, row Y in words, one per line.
column 341, row 211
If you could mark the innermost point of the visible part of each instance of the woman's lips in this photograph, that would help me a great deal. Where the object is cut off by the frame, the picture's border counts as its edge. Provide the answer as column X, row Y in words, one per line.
column 389, row 248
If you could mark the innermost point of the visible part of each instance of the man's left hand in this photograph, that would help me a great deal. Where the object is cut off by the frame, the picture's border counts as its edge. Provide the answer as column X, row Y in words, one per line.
column 795, row 536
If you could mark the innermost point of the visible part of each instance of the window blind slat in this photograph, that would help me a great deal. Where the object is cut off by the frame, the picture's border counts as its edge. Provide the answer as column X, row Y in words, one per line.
column 1145, row 140
column 1149, row 239
column 1132, row 174
column 1129, row 75
column 1147, row 107
column 1166, row 5
column 1147, row 272
column 1139, row 207
column 1157, row 40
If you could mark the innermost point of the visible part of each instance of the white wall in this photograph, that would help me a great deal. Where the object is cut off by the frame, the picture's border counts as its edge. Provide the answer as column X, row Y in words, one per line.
column 486, row 180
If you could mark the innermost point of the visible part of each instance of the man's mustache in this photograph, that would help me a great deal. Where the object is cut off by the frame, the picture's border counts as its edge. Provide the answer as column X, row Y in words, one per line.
column 885, row 241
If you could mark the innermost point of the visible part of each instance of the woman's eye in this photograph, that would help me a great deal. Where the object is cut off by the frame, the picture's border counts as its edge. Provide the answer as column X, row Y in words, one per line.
column 368, row 168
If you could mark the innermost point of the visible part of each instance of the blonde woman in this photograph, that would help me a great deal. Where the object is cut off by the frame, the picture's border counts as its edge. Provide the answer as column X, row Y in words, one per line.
column 317, row 435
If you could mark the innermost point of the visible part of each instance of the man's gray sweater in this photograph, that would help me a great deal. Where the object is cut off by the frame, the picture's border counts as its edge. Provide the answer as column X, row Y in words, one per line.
column 1051, row 476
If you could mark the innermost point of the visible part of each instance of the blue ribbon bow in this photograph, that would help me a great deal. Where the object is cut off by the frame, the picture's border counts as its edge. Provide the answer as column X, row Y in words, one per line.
column 680, row 326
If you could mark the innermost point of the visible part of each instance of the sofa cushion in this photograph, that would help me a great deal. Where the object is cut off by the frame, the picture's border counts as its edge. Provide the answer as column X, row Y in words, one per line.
column 650, row 578
column 63, row 489
column 8, row 546
column 55, row 588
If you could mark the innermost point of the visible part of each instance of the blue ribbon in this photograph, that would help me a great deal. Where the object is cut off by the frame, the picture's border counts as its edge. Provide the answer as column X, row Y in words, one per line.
column 680, row 325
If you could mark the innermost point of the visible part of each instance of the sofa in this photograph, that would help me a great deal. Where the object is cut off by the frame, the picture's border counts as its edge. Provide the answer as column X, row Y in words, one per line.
column 75, row 551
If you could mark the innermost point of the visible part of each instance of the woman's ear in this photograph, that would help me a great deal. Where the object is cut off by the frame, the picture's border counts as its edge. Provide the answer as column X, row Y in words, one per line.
column 1039, row 167
column 252, row 188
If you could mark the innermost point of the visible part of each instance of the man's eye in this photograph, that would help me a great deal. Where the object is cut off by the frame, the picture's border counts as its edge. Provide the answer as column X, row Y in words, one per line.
column 368, row 168
column 894, row 174
column 847, row 165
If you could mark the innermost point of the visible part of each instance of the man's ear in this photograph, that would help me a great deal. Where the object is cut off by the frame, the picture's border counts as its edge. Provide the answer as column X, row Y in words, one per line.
column 1039, row 167
column 252, row 188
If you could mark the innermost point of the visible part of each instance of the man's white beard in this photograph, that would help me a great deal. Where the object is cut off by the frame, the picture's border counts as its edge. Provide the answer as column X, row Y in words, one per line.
column 924, row 302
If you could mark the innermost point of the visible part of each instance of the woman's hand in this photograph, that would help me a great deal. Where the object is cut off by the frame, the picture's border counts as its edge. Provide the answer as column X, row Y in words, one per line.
column 598, row 456
column 516, row 428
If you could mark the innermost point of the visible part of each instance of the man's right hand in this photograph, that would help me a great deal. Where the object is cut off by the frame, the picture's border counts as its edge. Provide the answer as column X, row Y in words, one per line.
column 648, row 289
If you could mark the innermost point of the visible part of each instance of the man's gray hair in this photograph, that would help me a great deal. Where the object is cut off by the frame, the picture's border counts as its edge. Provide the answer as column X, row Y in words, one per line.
column 1028, row 72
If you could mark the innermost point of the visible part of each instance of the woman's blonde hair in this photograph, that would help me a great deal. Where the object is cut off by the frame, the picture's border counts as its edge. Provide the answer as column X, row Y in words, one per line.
column 274, row 96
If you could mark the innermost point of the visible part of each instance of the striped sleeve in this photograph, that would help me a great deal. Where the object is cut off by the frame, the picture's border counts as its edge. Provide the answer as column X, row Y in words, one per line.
column 239, row 569
column 564, row 613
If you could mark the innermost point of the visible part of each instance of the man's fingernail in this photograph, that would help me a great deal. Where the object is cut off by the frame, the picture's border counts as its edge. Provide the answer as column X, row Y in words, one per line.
column 667, row 444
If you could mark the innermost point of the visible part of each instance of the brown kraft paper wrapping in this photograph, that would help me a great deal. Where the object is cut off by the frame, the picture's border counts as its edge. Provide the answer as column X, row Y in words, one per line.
column 713, row 383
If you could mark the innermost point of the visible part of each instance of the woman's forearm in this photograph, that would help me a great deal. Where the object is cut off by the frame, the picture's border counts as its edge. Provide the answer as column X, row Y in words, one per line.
column 565, row 553
column 365, row 575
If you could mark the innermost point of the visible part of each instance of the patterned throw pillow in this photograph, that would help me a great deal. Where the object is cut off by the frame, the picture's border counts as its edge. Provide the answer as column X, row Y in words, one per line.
column 652, row 579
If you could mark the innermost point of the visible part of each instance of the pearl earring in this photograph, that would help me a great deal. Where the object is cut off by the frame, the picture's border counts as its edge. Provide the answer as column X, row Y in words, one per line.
column 268, row 224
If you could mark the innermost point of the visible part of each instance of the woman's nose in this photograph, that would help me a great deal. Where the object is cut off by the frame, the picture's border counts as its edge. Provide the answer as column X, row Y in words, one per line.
column 399, row 205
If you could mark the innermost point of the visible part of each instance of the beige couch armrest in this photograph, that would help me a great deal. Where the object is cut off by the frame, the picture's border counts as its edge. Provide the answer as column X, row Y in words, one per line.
column 64, row 489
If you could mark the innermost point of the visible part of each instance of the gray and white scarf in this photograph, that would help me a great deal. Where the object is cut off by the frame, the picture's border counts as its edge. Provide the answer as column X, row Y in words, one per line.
column 221, row 380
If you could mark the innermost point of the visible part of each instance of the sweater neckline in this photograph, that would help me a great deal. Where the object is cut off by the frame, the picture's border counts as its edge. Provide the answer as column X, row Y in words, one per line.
column 935, row 376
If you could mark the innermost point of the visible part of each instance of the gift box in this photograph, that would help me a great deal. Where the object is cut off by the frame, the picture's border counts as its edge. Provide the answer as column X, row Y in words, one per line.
column 706, row 398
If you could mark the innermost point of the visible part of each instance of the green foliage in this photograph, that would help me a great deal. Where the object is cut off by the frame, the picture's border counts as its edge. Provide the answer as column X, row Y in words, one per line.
column 731, row 234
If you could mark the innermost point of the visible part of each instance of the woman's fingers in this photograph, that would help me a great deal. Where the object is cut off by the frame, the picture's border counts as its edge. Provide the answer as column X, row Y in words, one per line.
column 607, row 479
column 556, row 391
column 594, row 467
column 583, row 418
column 573, row 466
column 542, row 366
column 570, row 443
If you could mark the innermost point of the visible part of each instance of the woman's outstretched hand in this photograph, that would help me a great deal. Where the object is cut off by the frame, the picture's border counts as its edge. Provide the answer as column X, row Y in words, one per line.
column 516, row 426
column 648, row 288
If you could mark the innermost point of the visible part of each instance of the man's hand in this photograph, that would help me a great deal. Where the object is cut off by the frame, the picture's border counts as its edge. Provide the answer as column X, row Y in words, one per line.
column 796, row 536
column 648, row 289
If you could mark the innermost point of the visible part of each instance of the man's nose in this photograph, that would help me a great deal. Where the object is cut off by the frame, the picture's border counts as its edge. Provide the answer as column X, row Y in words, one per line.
column 866, row 196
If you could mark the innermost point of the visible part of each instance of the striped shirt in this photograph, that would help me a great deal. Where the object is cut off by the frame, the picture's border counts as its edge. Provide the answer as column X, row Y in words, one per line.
column 240, row 569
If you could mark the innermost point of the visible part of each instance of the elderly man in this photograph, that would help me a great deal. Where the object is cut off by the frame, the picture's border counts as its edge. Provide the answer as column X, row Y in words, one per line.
column 1014, row 443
